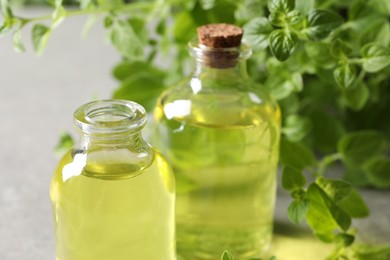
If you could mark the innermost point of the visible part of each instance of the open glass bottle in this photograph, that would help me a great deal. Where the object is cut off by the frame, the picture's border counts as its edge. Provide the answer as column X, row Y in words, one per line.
column 113, row 194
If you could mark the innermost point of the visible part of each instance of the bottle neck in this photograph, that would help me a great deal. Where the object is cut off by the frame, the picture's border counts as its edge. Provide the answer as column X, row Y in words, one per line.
column 110, row 123
column 116, row 141
column 221, row 66
column 238, row 70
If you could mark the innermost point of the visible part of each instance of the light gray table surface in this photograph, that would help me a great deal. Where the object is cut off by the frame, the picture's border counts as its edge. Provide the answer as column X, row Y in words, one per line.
column 37, row 98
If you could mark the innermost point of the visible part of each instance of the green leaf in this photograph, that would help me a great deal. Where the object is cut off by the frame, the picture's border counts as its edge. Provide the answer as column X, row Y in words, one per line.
column 290, row 104
column 256, row 33
column 375, row 57
column 55, row 3
column 294, row 17
column 326, row 131
column 281, row 83
column 59, row 12
column 342, row 219
column 127, row 69
column 305, row 6
column 222, row 11
column 59, row 15
column 17, row 41
column 345, row 75
column 207, row 4
column 278, row 18
column 381, row 6
column 383, row 34
column 139, row 28
column 6, row 27
column 359, row 146
column 184, row 23
column 126, row 41
column 248, row 10
column 297, row 210
column 142, row 87
column 161, row 27
column 284, row 6
column 354, row 205
column 357, row 97
column 340, row 49
column 358, row 10
column 292, row 179
column 345, row 239
column 295, row 155
column 319, row 54
column 320, row 23
column 40, row 36
column 86, row 3
column 109, row 3
column 296, row 127
column 355, row 174
column 6, row 9
column 378, row 172
column 323, row 214
column 227, row 255
column 372, row 252
column 377, row 31
column 296, row 81
column 318, row 215
column 108, row 21
column 283, row 43
column 64, row 144
column 335, row 189
column 282, row 19
column 186, row 5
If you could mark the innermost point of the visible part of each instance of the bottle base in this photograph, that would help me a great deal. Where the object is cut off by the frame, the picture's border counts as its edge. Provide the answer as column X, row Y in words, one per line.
column 208, row 243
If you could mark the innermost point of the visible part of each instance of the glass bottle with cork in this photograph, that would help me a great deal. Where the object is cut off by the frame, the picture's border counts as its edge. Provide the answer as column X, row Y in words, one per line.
column 220, row 132
column 113, row 194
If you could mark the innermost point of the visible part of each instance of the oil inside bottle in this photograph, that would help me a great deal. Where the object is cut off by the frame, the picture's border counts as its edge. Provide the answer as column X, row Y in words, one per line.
column 106, row 208
column 224, row 156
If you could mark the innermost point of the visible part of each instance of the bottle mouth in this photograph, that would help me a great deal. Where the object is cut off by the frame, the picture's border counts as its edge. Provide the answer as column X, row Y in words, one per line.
column 110, row 116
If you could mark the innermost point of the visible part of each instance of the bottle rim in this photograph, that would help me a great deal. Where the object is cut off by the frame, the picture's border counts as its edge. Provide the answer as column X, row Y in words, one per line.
column 109, row 116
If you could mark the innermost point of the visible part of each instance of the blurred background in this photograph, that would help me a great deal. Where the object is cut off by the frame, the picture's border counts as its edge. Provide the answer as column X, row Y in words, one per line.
column 38, row 95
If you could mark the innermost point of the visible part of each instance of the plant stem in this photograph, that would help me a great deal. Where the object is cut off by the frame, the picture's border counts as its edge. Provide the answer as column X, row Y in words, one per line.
column 340, row 29
column 361, row 75
column 326, row 161
column 355, row 61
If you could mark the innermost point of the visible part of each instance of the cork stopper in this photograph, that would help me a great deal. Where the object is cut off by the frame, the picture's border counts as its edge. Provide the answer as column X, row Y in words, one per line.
column 221, row 42
column 220, row 35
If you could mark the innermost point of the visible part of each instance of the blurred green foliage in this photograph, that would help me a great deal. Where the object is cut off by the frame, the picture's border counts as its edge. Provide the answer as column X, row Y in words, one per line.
column 325, row 61
column 41, row 2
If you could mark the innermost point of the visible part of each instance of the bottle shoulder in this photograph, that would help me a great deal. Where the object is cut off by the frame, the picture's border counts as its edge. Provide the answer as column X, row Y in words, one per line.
column 106, row 164
column 241, row 104
column 70, row 178
column 195, row 88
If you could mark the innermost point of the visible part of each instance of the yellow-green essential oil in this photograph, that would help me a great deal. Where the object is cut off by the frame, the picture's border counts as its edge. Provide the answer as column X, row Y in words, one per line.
column 224, row 157
column 113, row 199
